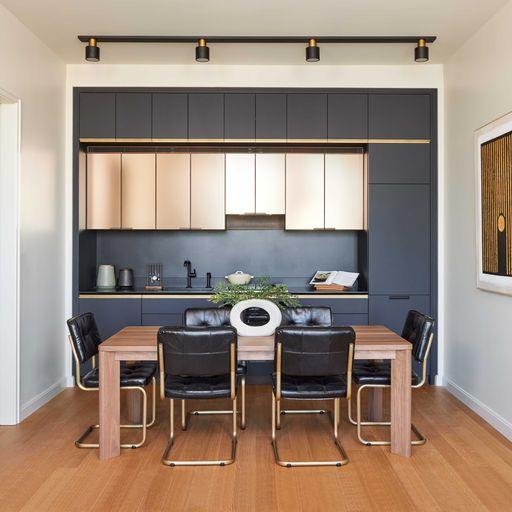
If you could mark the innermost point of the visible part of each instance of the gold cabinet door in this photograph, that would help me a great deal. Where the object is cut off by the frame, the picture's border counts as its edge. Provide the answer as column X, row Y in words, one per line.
column 103, row 191
column 207, row 208
column 173, row 191
column 270, row 182
column 344, row 191
column 138, row 191
column 240, row 183
column 304, row 191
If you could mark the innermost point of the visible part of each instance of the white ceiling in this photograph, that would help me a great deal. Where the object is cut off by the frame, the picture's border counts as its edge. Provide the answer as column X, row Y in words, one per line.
column 58, row 22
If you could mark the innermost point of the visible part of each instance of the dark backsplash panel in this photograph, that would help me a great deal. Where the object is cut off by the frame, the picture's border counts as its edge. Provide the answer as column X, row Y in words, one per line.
column 291, row 257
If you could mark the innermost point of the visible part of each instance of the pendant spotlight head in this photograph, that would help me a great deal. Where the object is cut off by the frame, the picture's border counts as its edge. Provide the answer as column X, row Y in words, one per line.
column 202, row 51
column 421, row 51
column 312, row 51
column 92, row 51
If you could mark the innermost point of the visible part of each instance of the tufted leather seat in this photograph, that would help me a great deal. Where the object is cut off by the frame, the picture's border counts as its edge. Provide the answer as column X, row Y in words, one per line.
column 330, row 386
column 136, row 375
column 307, row 316
column 314, row 361
column 369, row 372
column 217, row 386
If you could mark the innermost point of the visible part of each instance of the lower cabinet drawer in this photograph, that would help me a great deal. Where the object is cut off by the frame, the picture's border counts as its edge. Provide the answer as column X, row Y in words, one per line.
column 391, row 310
column 173, row 306
column 162, row 320
column 349, row 319
column 339, row 306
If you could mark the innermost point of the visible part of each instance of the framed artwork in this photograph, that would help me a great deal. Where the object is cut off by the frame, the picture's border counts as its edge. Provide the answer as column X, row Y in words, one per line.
column 493, row 163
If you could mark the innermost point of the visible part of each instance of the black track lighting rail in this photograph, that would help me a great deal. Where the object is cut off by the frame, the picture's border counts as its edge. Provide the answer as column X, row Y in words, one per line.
column 259, row 39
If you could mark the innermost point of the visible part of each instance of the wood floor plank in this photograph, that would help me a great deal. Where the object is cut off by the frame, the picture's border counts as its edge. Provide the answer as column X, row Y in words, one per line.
column 465, row 466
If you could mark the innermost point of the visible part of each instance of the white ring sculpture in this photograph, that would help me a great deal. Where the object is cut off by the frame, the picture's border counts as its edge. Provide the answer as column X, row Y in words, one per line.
column 255, row 330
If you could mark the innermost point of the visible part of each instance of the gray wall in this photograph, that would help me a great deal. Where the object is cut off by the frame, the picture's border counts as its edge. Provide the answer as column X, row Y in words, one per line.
column 291, row 256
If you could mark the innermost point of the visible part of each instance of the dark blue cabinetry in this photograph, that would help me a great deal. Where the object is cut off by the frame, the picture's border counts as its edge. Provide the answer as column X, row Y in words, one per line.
column 206, row 116
column 239, row 116
column 97, row 115
column 391, row 310
column 170, row 116
column 133, row 115
column 347, row 116
column 271, row 116
column 307, row 116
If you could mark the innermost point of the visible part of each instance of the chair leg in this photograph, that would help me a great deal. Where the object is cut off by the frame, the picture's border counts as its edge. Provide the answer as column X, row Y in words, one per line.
column 290, row 464
column 242, row 424
column 183, row 415
column 223, row 462
column 421, row 439
column 79, row 443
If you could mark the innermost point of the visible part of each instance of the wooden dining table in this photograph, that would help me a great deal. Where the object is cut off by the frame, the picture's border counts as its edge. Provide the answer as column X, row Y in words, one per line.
column 139, row 343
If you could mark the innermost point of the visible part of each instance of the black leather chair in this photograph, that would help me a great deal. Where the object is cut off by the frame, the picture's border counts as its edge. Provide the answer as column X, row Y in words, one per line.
column 312, row 363
column 84, row 338
column 369, row 374
column 320, row 316
column 198, row 363
column 216, row 317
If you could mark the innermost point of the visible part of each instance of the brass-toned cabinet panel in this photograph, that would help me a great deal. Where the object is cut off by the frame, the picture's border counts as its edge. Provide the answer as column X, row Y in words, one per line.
column 304, row 191
column 270, row 183
column 207, row 209
column 173, row 191
column 103, row 191
column 138, row 191
column 344, row 191
column 240, row 183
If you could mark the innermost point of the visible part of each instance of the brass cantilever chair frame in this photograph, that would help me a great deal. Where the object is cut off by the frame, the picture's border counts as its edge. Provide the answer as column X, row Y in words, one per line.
column 184, row 422
column 276, row 412
column 184, row 415
column 359, row 423
column 79, row 443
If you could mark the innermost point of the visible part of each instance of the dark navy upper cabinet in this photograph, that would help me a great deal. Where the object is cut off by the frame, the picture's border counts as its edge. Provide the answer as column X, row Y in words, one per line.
column 133, row 115
column 399, row 116
column 271, row 116
column 206, row 116
column 306, row 116
column 347, row 116
column 112, row 315
column 399, row 239
column 170, row 116
column 97, row 116
column 399, row 163
column 391, row 310
column 239, row 116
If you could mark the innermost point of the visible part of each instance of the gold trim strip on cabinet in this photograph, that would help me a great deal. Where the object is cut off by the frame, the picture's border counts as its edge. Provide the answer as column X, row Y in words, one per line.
column 341, row 295
column 264, row 141
column 170, row 296
column 109, row 296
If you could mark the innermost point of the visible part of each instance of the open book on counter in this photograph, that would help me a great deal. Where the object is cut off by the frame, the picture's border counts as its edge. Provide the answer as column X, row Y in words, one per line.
column 333, row 279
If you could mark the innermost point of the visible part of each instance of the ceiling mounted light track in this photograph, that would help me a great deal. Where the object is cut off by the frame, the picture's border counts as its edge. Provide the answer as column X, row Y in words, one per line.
column 202, row 51
column 92, row 51
column 421, row 51
column 312, row 51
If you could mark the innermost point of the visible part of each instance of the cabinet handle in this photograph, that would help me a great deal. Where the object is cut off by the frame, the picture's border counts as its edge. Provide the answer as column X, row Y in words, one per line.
column 399, row 297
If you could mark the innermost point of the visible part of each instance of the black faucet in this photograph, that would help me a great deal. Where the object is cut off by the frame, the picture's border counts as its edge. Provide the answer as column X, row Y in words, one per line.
column 208, row 279
column 190, row 274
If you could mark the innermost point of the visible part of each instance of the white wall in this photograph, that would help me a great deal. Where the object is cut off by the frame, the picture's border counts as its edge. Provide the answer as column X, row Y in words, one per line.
column 31, row 72
column 478, row 330
column 197, row 75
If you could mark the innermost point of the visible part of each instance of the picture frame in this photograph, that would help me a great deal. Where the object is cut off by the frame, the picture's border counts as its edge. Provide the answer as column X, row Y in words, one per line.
column 493, row 174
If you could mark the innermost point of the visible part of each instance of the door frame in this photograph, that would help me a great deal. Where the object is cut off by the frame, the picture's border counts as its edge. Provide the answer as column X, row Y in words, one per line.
column 10, row 138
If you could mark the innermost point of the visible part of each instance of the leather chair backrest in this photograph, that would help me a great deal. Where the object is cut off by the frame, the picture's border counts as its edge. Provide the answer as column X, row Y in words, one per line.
column 197, row 351
column 314, row 351
column 307, row 316
column 417, row 330
column 207, row 317
column 84, row 336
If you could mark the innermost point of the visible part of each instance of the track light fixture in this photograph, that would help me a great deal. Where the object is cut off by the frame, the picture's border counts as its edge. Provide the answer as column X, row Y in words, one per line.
column 202, row 51
column 312, row 51
column 421, row 51
column 92, row 51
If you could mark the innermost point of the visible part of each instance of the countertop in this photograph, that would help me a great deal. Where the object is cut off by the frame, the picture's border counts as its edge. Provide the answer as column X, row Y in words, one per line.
column 306, row 290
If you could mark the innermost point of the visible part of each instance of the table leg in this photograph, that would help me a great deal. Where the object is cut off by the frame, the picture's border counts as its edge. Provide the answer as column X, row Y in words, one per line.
column 133, row 406
column 401, row 403
column 109, row 405
column 375, row 405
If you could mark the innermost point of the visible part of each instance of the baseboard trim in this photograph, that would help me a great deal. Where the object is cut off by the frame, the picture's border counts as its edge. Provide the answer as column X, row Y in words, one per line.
column 41, row 399
column 502, row 425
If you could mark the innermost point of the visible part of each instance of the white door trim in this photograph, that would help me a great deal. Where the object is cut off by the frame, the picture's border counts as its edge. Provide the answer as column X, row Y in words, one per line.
column 10, row 118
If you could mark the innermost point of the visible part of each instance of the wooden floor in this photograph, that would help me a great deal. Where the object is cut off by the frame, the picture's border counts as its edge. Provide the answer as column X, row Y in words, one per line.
column 465, row 465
